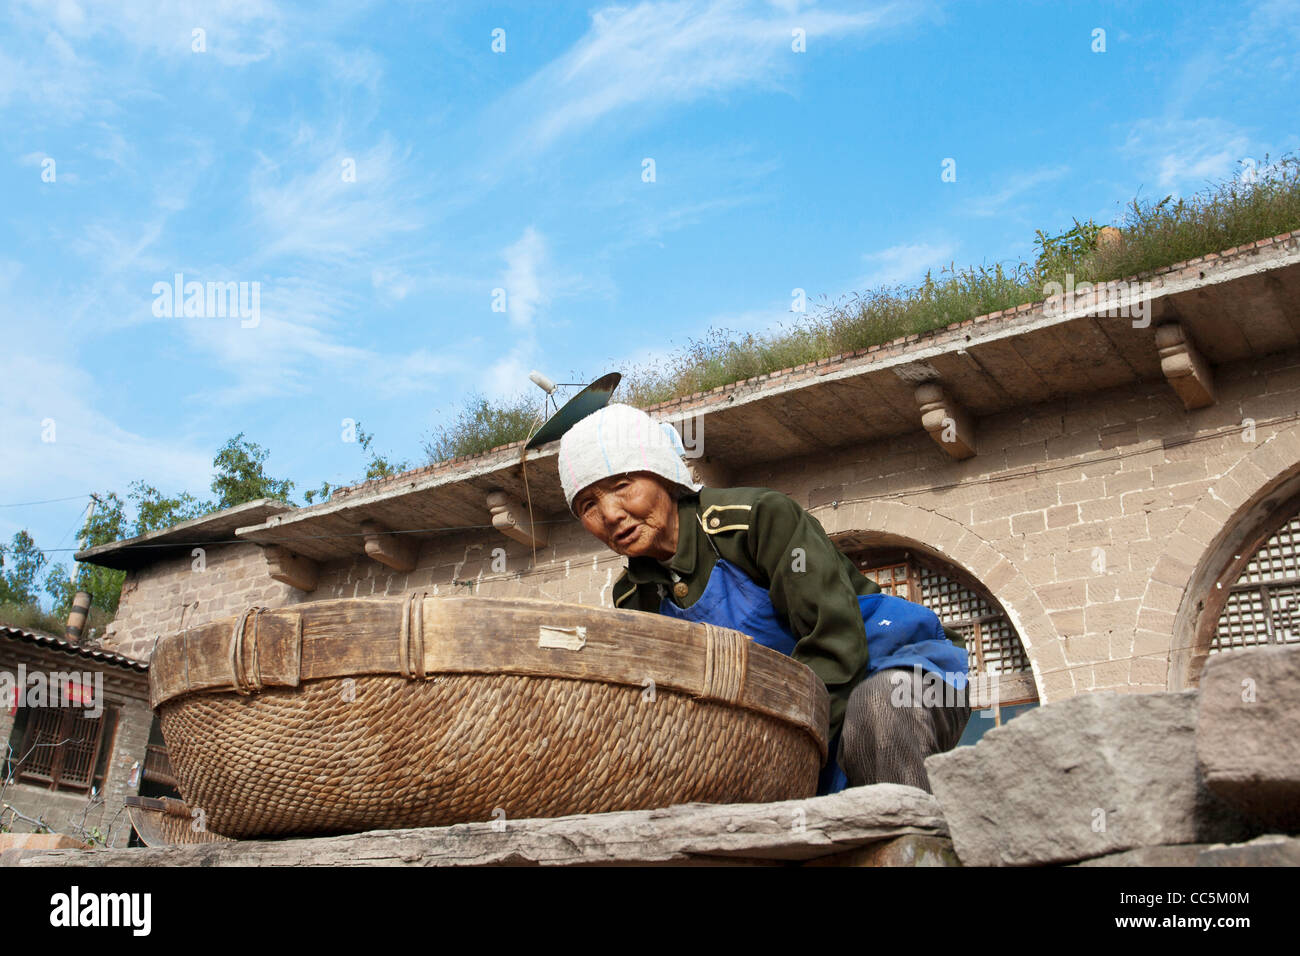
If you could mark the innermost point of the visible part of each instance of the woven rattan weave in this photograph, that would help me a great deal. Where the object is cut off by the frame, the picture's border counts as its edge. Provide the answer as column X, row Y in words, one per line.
column 341, row 716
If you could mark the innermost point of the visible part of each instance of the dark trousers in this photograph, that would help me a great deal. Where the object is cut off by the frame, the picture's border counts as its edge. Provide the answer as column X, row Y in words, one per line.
column 888, row 731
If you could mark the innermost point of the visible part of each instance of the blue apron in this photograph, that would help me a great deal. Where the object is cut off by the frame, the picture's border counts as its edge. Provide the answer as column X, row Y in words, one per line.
column 899, row 633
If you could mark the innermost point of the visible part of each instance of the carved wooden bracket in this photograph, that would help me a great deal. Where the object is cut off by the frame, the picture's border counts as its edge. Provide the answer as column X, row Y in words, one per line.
column 946, row 421
column 510, row 517
column 389, row 549
column 291, row 569
column 1185, row 367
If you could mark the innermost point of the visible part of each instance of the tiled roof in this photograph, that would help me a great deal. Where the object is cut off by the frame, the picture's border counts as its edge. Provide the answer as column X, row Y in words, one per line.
column 71, row 647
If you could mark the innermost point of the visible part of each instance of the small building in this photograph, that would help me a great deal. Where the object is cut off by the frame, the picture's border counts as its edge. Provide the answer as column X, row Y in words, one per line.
column 1099, row 490
column 80, row 737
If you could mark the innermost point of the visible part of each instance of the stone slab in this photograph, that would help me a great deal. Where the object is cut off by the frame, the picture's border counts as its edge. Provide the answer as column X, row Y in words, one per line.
column 1184, row 854
column 1082, row 778
column 1248, row 732
column 912, row 850
column 689, row 834
column 1270, row 850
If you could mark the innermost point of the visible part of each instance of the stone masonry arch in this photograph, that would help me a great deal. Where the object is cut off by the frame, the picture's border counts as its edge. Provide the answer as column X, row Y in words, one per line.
column 948, row 540
column 1182, row 602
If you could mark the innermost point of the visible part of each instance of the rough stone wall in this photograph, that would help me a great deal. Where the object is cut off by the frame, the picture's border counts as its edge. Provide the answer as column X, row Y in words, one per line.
column 126, row 690
column 1084, row 517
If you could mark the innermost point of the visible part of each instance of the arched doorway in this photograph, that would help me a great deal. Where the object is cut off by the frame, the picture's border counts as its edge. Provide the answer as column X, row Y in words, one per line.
column 963, row 604
column 1246, row 588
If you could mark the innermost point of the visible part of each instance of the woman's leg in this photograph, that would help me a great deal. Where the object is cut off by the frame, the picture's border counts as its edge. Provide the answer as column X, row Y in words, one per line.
column 888, row 733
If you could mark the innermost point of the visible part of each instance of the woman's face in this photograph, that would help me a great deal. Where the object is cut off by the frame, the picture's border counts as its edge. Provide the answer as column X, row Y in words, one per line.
column 633, row 514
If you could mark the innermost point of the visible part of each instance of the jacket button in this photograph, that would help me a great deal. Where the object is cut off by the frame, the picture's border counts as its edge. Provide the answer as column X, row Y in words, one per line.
column 714, row 522
column 680, row 589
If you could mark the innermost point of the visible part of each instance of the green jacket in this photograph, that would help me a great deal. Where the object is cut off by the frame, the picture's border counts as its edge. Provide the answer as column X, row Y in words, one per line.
column 814, row 592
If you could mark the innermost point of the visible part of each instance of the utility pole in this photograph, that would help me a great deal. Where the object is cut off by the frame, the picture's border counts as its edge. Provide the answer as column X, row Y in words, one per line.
column 90, row 512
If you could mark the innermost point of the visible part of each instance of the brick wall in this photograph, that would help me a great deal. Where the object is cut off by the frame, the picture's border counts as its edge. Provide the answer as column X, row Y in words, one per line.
column 125, row 689
column 1086, row 518
column 175, row 593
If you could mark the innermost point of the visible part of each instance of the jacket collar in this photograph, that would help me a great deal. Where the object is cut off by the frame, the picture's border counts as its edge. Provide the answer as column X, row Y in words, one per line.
column 643, row 569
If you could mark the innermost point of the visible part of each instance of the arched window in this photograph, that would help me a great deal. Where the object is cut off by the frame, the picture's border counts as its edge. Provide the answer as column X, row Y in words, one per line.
column 992, row 645
column 1263, row 606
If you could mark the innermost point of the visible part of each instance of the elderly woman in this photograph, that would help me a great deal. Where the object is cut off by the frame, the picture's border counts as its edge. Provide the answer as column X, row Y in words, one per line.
column 753, row 560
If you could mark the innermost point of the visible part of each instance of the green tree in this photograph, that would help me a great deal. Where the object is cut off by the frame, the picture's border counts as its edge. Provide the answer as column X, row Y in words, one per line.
column 241, row 477
column 155, row 512
column 23, row 562
column 323, row 492
column 62, row 590
column 378, row 467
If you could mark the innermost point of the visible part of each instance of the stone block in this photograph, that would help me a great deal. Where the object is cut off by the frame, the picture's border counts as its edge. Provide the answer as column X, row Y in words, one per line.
column 912, row 850
column 1248, row 732
column 1273, row 849
column 1082, row 778
column 1184, row 854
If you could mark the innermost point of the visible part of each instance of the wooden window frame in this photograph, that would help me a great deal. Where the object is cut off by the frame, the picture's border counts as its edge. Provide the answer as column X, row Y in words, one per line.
column 1220, row 644
column 38, row 720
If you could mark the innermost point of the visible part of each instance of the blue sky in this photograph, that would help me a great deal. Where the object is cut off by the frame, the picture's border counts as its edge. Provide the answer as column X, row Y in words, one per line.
column 522, row 170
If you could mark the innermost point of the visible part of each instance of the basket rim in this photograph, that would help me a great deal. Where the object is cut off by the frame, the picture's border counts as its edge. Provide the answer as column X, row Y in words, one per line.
column 422, row 635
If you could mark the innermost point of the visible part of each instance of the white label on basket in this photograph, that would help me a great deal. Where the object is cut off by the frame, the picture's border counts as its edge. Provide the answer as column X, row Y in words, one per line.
column 565, row 638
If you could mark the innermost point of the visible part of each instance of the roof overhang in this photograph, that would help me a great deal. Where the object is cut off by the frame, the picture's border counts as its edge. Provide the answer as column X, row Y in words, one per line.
column 1237, row 305
column 179, row 538
column 1234, row 306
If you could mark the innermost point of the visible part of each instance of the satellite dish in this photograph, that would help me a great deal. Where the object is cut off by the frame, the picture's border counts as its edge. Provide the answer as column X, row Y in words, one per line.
column 591, row 399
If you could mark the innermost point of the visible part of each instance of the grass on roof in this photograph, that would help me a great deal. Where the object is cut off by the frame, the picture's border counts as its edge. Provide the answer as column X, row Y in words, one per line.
column 1152, row 235
column 31, row 617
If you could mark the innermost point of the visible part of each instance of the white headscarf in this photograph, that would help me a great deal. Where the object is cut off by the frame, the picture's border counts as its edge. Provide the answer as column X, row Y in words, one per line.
column 616, row 440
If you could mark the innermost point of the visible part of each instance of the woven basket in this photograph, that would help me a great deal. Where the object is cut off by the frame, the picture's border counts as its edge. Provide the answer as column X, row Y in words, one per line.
column 351, row 715
column 164, row 821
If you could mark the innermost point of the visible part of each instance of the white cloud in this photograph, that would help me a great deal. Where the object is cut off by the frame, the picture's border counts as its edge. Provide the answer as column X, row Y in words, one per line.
column 527, row 292
column 237, row 31
column 523, row 285
column 508, row 377
column 906, row 263
column 995, row 204
column 1183, row 154
column 90, row 450
column 642, row 58
column 322, row 215
column 295, row 334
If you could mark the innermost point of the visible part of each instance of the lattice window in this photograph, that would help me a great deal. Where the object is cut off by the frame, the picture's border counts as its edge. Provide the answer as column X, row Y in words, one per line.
column 892, row 579
column 61, row 747
column 1264, row 604
column 991, row 641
